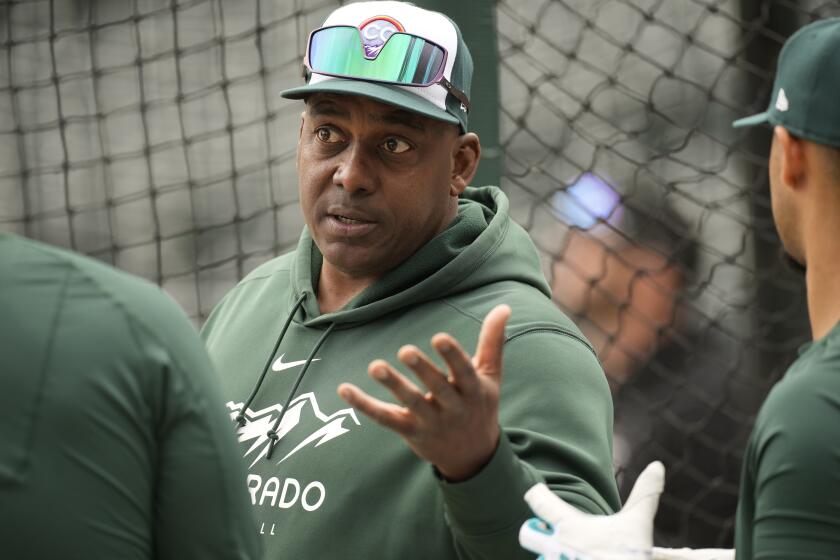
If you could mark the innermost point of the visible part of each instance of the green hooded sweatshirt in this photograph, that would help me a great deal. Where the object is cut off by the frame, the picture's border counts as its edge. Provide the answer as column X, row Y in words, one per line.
column 336, row 484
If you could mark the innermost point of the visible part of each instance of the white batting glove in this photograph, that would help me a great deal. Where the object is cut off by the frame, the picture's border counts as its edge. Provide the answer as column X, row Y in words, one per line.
column 566, row 533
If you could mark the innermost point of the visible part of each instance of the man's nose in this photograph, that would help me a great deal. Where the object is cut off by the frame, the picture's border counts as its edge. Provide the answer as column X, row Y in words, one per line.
column 355, row 171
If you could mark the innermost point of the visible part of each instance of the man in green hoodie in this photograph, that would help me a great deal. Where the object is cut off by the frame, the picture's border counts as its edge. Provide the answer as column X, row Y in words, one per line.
column 396, row 249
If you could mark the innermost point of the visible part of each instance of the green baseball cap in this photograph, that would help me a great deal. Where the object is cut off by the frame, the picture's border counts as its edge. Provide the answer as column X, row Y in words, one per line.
column 806, row 93
column 349, row 57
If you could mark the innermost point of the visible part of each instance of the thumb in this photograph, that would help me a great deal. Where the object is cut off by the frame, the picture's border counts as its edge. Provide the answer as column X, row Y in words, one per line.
column 548, row 506
column 644, row 497
column 491, row 340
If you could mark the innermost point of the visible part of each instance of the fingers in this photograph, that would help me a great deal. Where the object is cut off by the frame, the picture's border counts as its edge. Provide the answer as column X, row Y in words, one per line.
column 644, row 497
column 459, row 362
column 385, row 414
column 650, row 483
column 463, row 368
column 491, row 340
column 429, row 375
column 404, row 390
column 548, row 506
column 488, row 355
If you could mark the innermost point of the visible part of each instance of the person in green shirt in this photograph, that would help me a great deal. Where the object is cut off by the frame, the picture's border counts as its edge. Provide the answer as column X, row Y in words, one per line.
column 114, row 444
column 349, row 457
column 789, row 502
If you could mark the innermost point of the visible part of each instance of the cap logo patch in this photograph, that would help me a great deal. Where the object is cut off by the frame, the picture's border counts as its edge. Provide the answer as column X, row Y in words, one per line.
column 782, row 101
column 375, row 33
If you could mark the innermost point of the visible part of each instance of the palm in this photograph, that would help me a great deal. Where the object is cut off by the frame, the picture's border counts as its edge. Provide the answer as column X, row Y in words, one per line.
column 454, row 424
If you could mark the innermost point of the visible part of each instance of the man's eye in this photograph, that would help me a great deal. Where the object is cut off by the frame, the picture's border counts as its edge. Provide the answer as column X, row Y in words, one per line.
column 327, row 135
column 395, row 145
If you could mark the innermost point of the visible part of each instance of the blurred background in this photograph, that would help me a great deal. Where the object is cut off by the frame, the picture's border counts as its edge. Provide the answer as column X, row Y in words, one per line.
column 149, row 134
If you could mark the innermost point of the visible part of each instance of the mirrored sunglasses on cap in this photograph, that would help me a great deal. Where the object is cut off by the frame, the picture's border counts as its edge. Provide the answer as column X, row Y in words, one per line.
column 404, row 59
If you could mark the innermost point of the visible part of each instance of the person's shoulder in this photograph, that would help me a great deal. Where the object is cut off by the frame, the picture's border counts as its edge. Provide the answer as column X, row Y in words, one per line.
column 266, row 283
column 531, row 310
column 112, row 307
column 805, row 404
column 110, row 282
column 795, row 441
column 137, row 297
column 268, row 273
column 30, row 253
column 153, row 314
column 807, row 379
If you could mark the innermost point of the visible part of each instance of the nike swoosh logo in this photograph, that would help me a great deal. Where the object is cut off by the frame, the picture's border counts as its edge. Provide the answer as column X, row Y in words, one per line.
column 280, row 365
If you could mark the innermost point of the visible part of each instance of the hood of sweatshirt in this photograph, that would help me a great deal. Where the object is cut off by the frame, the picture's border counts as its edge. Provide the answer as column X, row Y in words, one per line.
column 481, row 246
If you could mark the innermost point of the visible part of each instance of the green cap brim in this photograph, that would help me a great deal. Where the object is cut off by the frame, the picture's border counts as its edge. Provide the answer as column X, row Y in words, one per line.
column 761, row 118
column 385, row 93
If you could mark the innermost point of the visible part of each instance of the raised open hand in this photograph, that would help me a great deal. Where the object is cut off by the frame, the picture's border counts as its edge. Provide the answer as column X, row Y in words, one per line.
column 454, row 424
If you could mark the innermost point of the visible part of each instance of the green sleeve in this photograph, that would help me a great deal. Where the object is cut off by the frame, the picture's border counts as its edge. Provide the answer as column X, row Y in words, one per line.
column 202, row 508
column 556, row 417
column 793, row 472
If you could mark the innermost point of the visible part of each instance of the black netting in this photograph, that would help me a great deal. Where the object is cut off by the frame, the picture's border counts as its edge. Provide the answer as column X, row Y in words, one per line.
column 149, row 133
column 653, row 218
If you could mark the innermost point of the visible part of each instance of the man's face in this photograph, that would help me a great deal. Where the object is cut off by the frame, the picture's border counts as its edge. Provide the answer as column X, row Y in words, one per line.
column 374, row 181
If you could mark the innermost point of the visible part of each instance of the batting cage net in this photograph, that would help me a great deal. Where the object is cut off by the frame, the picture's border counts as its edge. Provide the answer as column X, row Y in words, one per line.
column 149, row 134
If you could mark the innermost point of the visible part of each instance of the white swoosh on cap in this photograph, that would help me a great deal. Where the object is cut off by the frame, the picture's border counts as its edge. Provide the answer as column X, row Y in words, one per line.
column 280, row 365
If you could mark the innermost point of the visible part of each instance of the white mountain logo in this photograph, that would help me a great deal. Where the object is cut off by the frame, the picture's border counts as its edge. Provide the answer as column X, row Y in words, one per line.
column 260, row 422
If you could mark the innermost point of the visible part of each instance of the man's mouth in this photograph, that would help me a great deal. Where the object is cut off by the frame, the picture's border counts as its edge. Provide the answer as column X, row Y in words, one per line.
column 349, row 221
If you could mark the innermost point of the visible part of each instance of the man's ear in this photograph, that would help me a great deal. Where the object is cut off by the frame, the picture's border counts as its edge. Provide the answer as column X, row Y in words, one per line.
column 792, row 158
column 466, row 153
